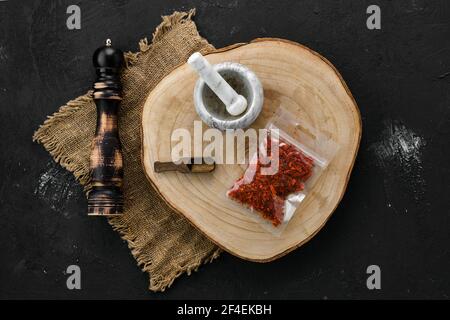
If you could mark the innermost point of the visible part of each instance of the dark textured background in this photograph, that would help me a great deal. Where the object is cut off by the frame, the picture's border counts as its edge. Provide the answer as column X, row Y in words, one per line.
column 395, row 213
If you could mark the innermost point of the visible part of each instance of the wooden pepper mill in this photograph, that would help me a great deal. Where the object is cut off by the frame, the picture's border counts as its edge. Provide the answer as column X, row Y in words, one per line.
column 106, row 198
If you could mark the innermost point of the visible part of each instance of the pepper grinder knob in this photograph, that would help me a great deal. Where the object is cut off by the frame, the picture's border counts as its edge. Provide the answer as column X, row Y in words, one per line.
column 106, row 164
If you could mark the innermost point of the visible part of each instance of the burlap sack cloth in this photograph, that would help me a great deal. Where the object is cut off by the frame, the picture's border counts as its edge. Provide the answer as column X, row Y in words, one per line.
column 161, row 240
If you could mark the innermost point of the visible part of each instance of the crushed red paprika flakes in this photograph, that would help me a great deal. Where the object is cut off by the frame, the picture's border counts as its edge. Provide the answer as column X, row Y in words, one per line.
column 267, row 194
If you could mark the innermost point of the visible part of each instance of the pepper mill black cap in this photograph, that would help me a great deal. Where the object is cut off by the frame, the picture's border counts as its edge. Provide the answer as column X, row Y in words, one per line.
column 108, row 57
column 108, row 62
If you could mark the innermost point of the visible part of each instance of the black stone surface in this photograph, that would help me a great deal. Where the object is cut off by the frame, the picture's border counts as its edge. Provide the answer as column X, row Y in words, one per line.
column 395, row 213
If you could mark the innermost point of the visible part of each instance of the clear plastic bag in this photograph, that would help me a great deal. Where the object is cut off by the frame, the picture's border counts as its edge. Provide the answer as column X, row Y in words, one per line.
column 290, row 160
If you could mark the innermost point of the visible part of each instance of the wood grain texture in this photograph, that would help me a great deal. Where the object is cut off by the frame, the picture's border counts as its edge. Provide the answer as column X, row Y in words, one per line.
column 294, row 77
column 106, row 163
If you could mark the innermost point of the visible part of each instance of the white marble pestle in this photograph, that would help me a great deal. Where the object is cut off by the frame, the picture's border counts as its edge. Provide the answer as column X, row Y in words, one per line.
column 234, row 102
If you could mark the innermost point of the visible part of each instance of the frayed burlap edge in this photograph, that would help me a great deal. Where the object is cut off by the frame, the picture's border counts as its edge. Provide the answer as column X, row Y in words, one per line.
column 51, row 144
column 157, row 282
column 165, row 26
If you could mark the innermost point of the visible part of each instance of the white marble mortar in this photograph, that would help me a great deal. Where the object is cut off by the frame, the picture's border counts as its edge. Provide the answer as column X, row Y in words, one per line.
column 244, row 81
